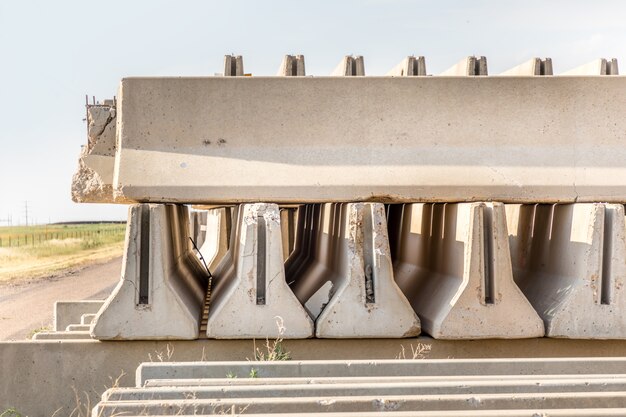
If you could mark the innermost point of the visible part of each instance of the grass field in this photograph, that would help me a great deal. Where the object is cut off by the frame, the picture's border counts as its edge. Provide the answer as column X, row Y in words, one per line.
column 36, row 251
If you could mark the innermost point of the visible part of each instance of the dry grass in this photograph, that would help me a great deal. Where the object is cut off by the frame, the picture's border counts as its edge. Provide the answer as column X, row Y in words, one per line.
column 54, row 255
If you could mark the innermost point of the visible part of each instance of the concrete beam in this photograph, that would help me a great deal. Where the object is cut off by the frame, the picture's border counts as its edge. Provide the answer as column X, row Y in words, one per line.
column 453, row 263
column 70, row 312
column 163, row 285
column 293, row 147
column 601, row 66
column 250, row 297
column 292, row 66
column 534, row 66
column 570, row 262
column 368, row 403
column 408, row 67
column 468, row 66
column 233, row 66
column 350, row 65
column 372, row 388
column 350, row 280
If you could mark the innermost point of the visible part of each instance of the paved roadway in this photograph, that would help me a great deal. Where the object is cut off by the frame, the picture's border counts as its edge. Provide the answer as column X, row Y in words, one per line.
column 27, row 305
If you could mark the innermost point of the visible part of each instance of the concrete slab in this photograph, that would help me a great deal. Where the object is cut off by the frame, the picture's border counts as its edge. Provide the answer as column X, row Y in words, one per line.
column 292, row 66
column 534, row 66
column 346, row 388
column 366, row 403
column 409, row 66
column 570, row 262
column 381, row 148
column 350, row 65
column 64, row 335
column 601, row 66
column 70, row 312
column 352, row 254
column 468, row 66
column 250, row 297
column 78, row 328
column 452, row 261
column 162, row 288
column 376, row 368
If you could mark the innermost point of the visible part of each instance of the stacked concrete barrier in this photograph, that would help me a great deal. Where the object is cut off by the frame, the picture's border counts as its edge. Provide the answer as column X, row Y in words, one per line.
column 293, row 236
column 526, row 387
column 453, row 263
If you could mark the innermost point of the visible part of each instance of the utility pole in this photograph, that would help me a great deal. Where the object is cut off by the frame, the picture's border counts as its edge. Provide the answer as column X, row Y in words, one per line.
column 26, row 211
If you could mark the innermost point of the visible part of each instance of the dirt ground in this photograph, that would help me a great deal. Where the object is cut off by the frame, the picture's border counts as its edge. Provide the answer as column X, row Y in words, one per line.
column 27, row 305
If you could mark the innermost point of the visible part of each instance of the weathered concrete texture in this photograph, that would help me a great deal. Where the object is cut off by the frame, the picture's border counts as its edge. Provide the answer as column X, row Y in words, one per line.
column 350, row 65
column 233, row 65
column 292, row 65
column 163, row 285
column 296, row 148
column 70, row 312
column 35, row 390
column 471, row 65
column 63, row 335
column 534, row 66
column 351, row 269
column 380, row 403
column 92, row 182
column 250, row 297
column 215, row 230
column 453, row 263
column 601, row 66
column 570, row 262
column 410, row 66
column 87, row 318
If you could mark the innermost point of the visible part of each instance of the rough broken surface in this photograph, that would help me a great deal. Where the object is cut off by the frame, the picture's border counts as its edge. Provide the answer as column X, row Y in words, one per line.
column 92, row 182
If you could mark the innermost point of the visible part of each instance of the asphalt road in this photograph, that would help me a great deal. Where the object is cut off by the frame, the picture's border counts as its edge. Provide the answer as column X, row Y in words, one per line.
column 27, row 305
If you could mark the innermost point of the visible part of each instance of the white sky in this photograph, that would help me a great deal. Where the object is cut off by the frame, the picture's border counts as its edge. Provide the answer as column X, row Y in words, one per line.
column 52, row 53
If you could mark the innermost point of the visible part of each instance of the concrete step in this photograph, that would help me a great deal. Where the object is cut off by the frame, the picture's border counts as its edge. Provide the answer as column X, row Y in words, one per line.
column 368, row 403
column 78, row 328
column 585, row 412
column 379, row 368
column 536, row 385
column 64, row 335
column 70, row 312
column 87, row 318
column 224, row 382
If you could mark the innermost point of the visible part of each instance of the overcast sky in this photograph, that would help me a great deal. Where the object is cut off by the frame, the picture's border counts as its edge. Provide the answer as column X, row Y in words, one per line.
column 52, row 53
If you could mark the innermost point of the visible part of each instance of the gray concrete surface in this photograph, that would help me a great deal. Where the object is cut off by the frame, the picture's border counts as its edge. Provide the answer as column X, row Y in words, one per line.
column 530, row 147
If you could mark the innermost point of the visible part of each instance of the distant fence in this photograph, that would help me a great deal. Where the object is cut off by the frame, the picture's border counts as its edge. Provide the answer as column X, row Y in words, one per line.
column 32, row 239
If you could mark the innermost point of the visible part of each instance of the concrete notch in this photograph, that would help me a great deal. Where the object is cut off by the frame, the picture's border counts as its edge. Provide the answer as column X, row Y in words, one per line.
column 292, row 66
column 409, row 67
column 216, row 229
column 250, row 297
column 350, row 65
column 570, row 262
column 349, row 277
column 534, row 66
column 163, row 285
column 452, row 261
column 233, row 66
column 468, row 66
column 600, row 66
